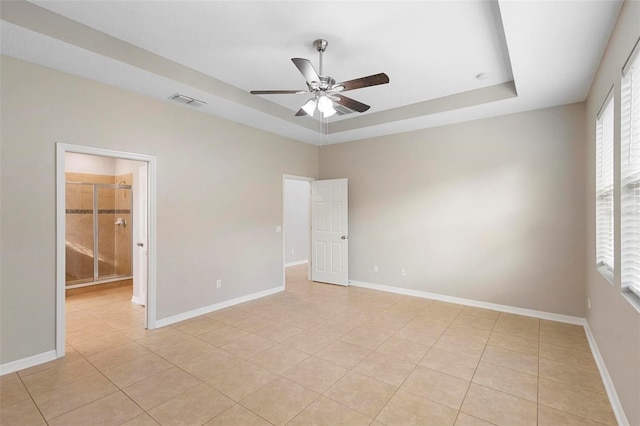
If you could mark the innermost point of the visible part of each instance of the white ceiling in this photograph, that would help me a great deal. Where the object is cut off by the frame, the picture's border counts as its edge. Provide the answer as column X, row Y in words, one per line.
column 538, row 54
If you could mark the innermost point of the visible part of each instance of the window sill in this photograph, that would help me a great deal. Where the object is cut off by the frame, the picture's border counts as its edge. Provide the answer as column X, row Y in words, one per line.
column 632, row 298
column 606, row 273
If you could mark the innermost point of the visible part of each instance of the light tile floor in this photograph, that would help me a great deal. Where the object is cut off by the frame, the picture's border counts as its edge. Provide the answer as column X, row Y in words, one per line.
column 315, row 354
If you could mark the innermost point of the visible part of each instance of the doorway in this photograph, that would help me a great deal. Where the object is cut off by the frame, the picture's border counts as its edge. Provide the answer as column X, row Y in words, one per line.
column 105, row 230
column 296, row 192
column 325, row 232
column 99, row 218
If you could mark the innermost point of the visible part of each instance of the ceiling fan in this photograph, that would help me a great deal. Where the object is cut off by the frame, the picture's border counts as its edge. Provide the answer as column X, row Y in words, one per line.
column 327, row 94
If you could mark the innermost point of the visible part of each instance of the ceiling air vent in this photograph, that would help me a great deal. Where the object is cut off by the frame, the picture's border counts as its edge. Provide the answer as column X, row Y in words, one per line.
column 187, row 100
column 342, row 110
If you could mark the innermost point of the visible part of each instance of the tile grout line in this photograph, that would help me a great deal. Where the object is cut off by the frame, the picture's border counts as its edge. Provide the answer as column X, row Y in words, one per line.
column 405, row 379
column 122, row 390
column 31, row 398
column 352, row 370
column 378, row 310
column 107, row 378
column 279, row 375
column 414, row 369
column 476, row 369
column 119, row 389
column 207, row 384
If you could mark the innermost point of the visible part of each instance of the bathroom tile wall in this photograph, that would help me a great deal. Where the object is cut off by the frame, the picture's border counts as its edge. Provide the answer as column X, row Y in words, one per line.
column 79, row 229
column 123, row 204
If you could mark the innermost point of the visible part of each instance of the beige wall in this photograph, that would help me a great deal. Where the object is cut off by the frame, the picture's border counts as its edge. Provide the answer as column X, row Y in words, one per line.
column 219, row 195
column 613, row 321
column 297, row 195
column 489, row 210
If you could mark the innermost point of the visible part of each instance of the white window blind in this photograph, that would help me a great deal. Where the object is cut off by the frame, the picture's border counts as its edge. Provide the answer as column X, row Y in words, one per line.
column 630, row 169
column 604, row 188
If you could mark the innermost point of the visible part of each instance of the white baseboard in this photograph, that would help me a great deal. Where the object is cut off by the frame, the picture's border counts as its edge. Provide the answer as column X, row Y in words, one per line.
column 469, row 302
column 606, row 379
column 27, row 362
column 216, row 306
column 34, row 360
column 618, row 411
column 136, row 300
column 297, row 262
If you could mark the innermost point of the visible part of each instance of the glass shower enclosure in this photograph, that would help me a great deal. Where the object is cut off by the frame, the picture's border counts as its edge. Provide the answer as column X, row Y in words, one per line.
column 98, row 233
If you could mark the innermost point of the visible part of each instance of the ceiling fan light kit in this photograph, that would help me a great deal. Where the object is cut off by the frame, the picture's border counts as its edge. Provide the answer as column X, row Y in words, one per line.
column 325, row 89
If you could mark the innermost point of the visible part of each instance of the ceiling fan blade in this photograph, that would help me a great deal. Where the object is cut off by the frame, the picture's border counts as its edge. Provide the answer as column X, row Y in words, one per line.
column 300, row 113
column 352, row 104
column 307, row 70
column 278, row 92
column 359, row 83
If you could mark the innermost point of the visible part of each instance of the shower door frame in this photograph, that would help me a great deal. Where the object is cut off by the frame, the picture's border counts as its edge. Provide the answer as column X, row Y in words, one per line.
column 151, row 161
column 96, row 280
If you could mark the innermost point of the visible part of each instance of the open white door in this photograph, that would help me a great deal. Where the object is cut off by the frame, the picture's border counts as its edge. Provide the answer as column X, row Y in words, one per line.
column 140, row 276
column 330, row 231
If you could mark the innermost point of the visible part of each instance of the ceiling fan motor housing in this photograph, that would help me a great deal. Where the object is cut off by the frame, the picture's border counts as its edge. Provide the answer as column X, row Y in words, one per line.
column 326, row 82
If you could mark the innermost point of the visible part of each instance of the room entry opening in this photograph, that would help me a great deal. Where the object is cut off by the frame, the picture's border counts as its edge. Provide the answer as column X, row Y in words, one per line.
column 327, row 229
column 105, row 234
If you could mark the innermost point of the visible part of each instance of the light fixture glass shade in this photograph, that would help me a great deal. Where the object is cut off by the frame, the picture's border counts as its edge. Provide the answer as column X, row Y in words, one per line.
column 329, row 113
column 324, row 104
column 309, row 107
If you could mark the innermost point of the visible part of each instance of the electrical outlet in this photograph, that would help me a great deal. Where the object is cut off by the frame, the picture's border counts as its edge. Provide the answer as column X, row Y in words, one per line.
column 588, row 303
column 218, row 283
column 375, row 268
column 403, row 272
column 293, row 251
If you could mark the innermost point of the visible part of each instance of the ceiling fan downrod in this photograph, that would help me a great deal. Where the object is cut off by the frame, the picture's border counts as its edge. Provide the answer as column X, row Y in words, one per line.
column 321, row 46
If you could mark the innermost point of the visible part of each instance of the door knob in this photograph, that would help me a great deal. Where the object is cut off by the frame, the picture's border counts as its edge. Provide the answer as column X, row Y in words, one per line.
column 140, row 245
column 344, row 237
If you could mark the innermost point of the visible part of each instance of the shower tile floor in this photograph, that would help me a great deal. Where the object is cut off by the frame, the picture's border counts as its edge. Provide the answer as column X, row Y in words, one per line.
column 314, row 354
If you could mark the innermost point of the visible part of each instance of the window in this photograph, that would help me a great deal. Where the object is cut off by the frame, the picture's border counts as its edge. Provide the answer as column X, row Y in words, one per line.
column 630, row 170
column 604, row 189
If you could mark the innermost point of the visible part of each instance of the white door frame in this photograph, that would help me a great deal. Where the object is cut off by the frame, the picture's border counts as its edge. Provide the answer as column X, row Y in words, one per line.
column 61, row 149
column 141, row 230
column 284, row 252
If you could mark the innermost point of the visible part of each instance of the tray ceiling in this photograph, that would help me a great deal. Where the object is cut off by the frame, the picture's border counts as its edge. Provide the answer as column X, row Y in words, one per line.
column 536, row 54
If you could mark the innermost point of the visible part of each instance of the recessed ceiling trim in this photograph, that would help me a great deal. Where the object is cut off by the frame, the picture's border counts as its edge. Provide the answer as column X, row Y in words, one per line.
column 43, row 21
column 215, row 58
column 470, row 98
